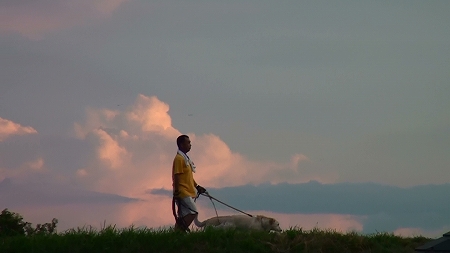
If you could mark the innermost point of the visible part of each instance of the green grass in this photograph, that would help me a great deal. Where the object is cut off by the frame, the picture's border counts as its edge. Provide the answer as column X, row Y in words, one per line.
column 111, row 239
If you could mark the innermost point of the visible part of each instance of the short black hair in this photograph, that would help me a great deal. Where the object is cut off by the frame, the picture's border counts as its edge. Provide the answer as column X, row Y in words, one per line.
column 181, row 139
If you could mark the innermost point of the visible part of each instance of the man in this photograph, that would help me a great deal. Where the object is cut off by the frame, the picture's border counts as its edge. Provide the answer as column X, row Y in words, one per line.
column 184, row 186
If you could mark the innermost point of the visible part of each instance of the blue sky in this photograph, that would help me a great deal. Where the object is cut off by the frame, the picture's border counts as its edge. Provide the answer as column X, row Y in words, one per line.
column 94, row 93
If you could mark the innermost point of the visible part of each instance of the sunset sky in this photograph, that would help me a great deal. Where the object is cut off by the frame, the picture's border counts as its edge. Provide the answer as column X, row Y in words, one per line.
column 329, row 114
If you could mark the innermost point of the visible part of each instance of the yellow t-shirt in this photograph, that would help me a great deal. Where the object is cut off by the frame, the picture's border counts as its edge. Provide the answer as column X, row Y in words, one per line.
column 186, row 180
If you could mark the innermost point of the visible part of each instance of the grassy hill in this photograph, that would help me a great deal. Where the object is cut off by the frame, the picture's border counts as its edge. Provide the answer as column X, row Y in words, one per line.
column 111, row 239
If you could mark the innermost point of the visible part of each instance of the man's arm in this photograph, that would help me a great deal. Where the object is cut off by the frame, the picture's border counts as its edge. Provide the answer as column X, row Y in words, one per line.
column 176, row 184
column 199, row 188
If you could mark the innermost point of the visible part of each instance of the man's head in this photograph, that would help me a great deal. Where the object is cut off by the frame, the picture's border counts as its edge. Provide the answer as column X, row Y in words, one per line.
column 184, row 143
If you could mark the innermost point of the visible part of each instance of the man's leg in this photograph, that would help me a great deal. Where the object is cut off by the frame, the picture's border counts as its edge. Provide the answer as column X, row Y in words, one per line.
column 179, row 225
column 188, row 219
column 183, row 223
column 187, row 212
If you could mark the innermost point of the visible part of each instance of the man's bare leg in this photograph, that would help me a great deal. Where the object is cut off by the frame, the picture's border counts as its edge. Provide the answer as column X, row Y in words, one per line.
column 185, row 222
column 188, row 219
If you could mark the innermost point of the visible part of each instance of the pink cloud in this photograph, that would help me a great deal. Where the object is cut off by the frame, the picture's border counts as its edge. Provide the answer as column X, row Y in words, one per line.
column 339, row 222
column 25, row 170
column 412, row 232
column 110, row 151
column 34, row 19
column 9, row 128
column 130, row 151
column 133, row 151
column 151, row 114
column 136, row 147
column 155, row 212
column 37, row 164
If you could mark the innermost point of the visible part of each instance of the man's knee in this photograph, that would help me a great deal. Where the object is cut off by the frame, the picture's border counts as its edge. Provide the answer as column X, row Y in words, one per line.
column 189, row 218
column 182, row 225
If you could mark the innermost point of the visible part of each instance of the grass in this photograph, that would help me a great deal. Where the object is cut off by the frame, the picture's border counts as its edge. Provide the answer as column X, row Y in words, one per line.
column 111, row 239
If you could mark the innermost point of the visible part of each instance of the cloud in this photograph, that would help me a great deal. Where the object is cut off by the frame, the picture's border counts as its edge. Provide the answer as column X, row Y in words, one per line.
column 18, row 155
column 365, row 207
column 135, row 147
column 339, row 198
column 18, row 192
column 9, row 128
column 340, row 222
column 36, row 164
column 129, row 151
column 151, row 114
column 118, row 156
column 34, row 19
column 414, row 231
column 39, row 199
column 132, row 147
column 110, row 151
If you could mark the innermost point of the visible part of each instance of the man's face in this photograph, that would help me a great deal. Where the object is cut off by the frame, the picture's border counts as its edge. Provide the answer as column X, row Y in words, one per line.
column 186, row 145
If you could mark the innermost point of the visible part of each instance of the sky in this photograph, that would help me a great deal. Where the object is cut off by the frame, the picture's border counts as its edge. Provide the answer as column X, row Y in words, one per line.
column 320, row 114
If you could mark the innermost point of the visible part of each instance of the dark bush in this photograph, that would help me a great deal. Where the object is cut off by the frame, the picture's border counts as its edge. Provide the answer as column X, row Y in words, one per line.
column 12, row 224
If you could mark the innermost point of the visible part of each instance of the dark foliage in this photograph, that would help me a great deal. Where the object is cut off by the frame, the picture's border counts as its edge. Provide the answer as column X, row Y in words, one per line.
column 12, row 224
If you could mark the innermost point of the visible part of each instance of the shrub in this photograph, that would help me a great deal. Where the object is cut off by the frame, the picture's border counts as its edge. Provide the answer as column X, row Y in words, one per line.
column 12, row 224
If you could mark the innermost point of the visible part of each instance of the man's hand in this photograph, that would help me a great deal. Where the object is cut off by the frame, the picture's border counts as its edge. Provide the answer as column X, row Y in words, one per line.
column 176, row 194
column 200, row 189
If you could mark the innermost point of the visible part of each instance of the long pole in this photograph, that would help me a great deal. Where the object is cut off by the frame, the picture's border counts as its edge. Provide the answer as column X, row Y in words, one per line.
column 211, row 197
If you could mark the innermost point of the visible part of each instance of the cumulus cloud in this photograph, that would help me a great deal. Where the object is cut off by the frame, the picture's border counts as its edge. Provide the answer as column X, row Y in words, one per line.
column 151, row 114
column 34, row 19
column 110, row 151
column 129, row 151
column 9, row 128
column 36, row 164
column 135, row 149
column 126, row 154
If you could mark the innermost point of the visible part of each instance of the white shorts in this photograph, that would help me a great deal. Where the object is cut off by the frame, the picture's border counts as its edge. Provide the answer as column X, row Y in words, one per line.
column 186, row 206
